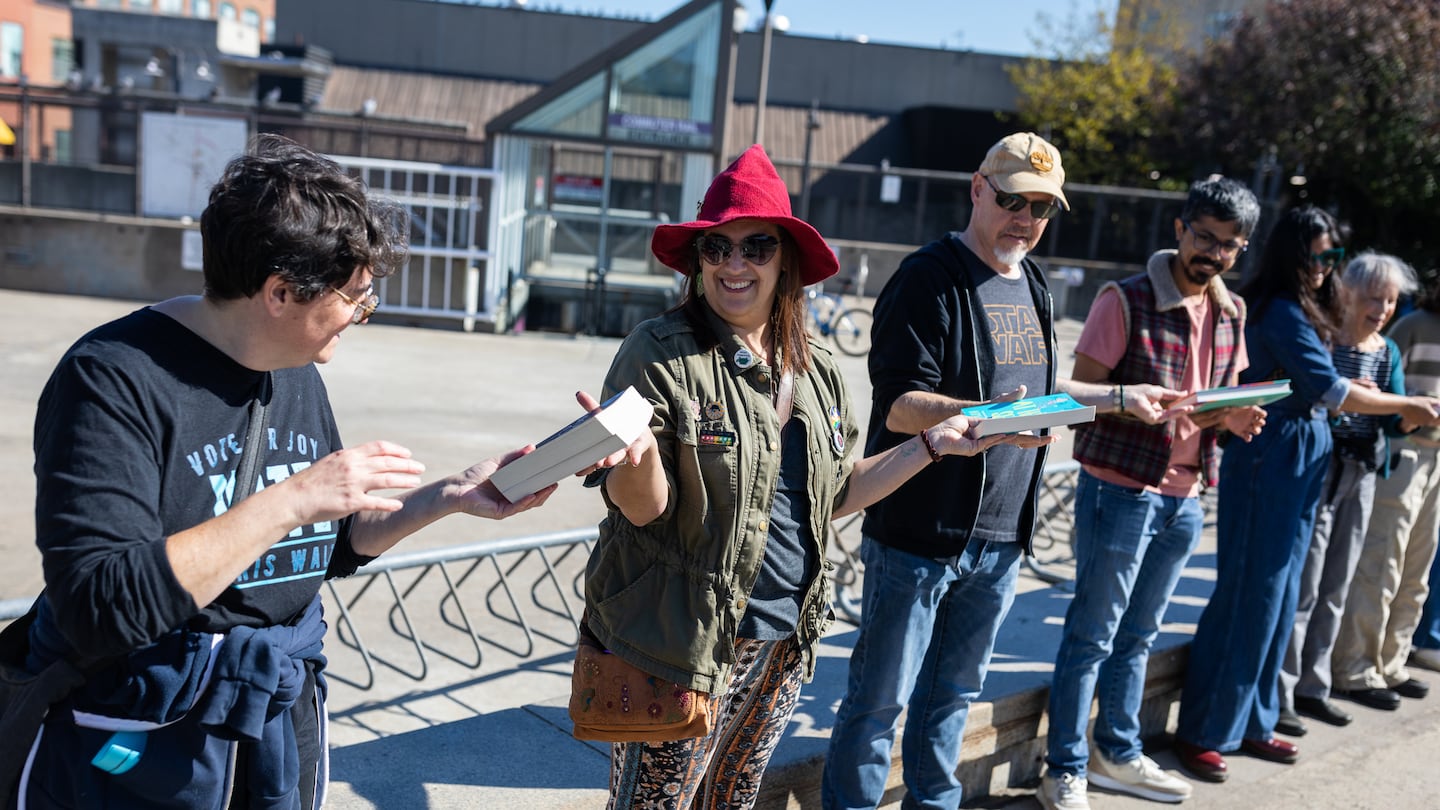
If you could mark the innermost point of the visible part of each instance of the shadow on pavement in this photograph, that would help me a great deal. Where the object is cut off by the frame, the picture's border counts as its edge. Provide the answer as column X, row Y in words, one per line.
column 520, row 749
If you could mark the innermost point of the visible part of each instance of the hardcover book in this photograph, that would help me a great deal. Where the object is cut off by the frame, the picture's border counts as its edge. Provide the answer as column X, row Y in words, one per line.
column 617, row 423
column 1031, row 413
column 1236, row 396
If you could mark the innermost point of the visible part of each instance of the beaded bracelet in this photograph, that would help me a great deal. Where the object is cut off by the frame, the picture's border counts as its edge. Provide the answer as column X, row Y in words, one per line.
column 929, row 448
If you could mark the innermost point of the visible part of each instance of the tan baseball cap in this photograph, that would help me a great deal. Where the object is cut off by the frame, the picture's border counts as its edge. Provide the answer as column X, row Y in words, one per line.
column 1025, row 162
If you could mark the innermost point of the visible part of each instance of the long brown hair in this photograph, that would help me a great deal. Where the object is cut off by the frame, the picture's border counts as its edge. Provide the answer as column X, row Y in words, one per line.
column 787, row 316
column 1282, row 265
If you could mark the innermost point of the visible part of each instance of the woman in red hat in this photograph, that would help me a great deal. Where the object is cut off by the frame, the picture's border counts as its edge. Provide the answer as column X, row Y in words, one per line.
column 708, row 568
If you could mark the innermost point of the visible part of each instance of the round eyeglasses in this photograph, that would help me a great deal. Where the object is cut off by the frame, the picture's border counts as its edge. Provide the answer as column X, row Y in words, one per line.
column 758, row 249
column 1205, row 243
column 364, row 308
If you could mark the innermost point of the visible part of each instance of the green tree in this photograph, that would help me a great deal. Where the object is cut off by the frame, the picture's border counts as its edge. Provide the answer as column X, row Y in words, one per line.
column 1348, row 91
column 1096, row 87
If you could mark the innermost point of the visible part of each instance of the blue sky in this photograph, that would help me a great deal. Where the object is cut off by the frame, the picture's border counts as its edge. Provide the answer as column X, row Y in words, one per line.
column 995, row 26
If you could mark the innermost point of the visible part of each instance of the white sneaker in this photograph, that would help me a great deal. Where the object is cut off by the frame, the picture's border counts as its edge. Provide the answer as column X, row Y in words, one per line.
column 1064, row 791
column 1425, row 657
column 1138, row 777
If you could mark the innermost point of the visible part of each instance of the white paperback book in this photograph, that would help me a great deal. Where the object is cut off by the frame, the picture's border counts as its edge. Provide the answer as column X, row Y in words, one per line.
column 615, row 425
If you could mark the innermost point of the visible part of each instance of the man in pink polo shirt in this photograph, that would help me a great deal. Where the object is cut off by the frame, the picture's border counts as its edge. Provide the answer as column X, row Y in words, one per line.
column 1137, row 506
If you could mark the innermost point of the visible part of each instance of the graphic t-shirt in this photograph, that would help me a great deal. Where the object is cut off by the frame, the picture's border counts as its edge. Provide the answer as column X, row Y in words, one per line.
column 138, row 436
column 1021, row 358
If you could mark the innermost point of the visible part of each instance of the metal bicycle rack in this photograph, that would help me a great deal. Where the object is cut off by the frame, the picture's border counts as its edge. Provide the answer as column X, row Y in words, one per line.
column 505, row 559
column 534, row 588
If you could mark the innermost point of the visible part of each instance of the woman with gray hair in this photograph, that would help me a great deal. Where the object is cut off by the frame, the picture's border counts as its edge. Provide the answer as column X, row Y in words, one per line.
column 1369, row 288
column 1392, row 577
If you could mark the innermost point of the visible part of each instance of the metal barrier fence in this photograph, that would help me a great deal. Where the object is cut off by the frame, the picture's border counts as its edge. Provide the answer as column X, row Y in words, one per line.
column 530, row 587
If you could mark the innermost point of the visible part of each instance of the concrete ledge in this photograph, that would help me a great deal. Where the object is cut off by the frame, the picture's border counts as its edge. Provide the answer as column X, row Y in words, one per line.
column 1004, row 741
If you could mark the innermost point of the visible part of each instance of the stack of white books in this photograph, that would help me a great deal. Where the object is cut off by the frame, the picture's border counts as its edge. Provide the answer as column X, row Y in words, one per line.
column 615, row 425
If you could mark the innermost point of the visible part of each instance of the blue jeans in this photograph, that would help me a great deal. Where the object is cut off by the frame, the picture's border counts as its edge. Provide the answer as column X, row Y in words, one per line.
column 1130, row 549
column 1427, row 635
column 926, row 633
column 1268, row 492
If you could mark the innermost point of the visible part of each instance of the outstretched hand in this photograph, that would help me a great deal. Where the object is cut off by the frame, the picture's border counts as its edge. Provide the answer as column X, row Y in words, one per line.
column 342, row 482
column 1421, row 411
column 475, row 495
column 1008, row 396
column 1146, row 402
column 632, row 455
column 1245, row 422
column 956, row 436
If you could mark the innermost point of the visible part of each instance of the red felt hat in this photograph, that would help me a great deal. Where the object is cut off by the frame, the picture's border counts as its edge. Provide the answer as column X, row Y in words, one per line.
column 749, row 189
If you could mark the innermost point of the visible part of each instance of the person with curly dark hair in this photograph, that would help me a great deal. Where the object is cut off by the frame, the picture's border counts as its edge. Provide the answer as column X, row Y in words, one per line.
column 196, row 606
column 1269, row 489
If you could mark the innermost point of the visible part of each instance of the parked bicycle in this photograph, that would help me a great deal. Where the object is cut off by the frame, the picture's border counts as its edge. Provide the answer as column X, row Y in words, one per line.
column 849, row 327
column 848, row 573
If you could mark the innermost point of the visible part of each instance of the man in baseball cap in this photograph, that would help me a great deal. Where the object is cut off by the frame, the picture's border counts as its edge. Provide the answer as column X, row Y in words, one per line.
column 966, row 319
column 1025, row 162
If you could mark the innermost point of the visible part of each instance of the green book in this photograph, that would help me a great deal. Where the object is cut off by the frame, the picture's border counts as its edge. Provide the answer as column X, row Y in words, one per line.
column 1236, row 396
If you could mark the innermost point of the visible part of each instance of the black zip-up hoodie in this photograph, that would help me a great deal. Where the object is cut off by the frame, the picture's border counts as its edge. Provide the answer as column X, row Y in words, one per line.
column 927, row 337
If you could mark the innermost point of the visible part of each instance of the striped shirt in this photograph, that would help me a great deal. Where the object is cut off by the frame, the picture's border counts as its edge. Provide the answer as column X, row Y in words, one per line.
column 1418, row 336
column 1354, row 364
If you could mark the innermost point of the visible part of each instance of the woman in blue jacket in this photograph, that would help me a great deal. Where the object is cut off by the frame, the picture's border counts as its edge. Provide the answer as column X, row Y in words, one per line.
column 1268, row 492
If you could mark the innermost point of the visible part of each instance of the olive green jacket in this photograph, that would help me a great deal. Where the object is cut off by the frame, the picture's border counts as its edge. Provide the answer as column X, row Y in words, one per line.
column 668, row 596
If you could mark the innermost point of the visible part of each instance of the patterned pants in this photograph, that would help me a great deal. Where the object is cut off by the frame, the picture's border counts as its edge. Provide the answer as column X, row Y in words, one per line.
column 721, row 771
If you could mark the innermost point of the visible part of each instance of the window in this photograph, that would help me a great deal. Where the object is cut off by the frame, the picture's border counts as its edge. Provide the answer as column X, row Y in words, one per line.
column 662, row 92
column 64, row 152
column 172, row 7
column 250, row 17
column 12, row 49
column 269, row 34
column 62, row 59
column 140, row 5
column 110, row 4
column 227, row 11
column 580, row 111
column 202, row 9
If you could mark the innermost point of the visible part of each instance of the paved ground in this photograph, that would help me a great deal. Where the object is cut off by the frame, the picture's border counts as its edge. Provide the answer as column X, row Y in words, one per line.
column 494, row 736
column 1382, row 760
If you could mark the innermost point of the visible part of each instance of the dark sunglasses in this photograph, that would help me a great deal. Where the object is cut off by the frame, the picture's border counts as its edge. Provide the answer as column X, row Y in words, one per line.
column 1014, row 203
column 1329, row 259
column 758, row 249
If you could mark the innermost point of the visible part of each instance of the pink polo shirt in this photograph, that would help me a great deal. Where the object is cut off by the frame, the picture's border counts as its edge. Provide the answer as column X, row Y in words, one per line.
column 1104, row 339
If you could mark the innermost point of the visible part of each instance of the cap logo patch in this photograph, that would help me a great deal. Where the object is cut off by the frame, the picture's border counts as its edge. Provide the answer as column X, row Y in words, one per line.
column 1040, row 161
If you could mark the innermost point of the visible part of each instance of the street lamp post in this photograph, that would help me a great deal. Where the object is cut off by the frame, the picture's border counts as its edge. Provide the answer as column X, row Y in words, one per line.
column 25, row 140
column 768, row 29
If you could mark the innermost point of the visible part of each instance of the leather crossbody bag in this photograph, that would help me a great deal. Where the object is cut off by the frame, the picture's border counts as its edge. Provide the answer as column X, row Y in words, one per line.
column 612, row 700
